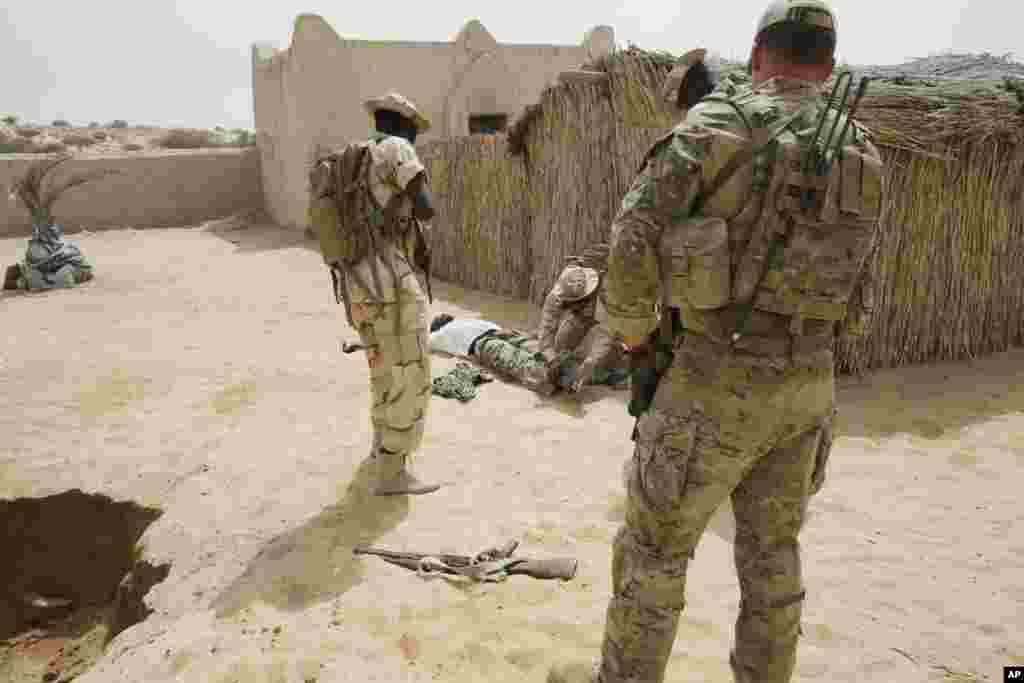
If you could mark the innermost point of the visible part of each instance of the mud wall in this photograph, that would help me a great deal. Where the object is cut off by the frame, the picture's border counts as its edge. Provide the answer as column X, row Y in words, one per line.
column 149, row 190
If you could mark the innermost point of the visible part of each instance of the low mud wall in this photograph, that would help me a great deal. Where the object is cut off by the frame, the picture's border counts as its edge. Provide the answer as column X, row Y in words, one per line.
column 150, row 190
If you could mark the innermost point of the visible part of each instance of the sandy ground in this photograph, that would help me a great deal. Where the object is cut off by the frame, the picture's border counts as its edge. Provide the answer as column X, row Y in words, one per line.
column 201, row 372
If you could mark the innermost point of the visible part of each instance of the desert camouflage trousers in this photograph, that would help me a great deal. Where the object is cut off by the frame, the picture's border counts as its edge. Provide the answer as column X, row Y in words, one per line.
column 395, row 335
column 510, row 355
column 720, row 425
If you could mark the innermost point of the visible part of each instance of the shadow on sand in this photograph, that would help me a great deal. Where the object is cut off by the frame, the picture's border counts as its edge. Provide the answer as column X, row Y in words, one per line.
column 314, row 562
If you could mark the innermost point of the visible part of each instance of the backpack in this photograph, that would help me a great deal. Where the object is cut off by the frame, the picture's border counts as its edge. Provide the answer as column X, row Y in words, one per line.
column 815, row 233
column 342, row 209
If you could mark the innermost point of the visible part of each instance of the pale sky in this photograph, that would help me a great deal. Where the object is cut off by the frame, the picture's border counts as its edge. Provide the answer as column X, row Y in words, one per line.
column 186, row 62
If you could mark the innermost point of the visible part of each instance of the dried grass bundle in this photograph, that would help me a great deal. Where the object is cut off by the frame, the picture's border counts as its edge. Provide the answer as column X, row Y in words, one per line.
column 39, row 199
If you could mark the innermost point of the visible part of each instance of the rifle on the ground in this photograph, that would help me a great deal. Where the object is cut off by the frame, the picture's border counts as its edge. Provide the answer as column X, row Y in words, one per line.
column 494, row 564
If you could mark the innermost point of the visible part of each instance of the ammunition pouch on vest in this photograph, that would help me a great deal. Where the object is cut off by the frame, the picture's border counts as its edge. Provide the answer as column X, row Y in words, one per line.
column 801, row 261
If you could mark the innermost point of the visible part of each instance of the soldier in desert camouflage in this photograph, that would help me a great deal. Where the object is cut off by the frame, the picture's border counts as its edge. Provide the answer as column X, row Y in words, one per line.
column 573, row 330
column 764, row 259
column 392, row 323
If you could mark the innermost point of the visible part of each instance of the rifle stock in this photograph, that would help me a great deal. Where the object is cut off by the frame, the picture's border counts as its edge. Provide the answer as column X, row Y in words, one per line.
column 563, row 568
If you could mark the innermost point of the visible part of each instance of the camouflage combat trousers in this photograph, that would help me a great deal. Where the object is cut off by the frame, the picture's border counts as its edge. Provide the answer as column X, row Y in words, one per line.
column 399, row 361
column 720, row 426
column 508, row 355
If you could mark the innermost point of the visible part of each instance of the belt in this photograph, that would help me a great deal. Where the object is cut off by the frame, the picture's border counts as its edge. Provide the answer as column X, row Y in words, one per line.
column 720, row 324
column 482, row 337
column 765, row 346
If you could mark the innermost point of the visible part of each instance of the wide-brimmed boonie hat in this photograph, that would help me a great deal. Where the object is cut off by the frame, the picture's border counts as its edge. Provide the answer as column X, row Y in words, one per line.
column 577, row 282
column 395, row 102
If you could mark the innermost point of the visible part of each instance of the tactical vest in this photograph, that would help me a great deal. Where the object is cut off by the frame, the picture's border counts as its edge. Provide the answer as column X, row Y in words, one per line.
column 795, row 250
column 349, row 222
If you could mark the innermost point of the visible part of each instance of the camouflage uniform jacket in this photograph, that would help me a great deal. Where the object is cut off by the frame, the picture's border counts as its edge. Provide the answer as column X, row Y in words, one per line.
column 395, row 164
column 675, row 173
column 581, row 329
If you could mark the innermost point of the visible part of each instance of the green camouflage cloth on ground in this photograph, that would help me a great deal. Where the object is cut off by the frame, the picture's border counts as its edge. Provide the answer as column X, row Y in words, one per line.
column 508, row 354
column 459, row 383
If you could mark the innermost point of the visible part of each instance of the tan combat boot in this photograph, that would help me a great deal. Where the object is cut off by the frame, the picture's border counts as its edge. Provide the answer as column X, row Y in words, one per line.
column 573, row 672
column 394, row 478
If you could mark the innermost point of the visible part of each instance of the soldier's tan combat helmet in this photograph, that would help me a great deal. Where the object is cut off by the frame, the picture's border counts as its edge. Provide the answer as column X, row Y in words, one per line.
column 576, row 283
column 814, row 13
column 395, row 102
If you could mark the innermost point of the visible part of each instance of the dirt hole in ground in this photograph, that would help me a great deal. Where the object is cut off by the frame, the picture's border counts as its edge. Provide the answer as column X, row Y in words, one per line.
column 71, row 578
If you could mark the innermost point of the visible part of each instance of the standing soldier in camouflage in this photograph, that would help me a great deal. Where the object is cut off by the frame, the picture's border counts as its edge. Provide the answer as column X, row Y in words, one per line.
column 765, row 259
column 388, row 307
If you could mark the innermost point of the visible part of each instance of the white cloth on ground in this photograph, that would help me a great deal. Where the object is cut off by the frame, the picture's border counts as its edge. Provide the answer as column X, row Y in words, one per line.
column 458, row 335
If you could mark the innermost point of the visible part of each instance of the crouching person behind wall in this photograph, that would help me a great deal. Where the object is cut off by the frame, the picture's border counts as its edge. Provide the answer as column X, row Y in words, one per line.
column 742, row 409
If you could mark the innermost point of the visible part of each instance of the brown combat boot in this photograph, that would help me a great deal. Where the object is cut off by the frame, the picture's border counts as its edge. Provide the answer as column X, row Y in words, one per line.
column 395, row 479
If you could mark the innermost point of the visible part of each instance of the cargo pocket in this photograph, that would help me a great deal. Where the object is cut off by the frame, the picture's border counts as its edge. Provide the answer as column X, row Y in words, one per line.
column 664, row 450
column 700, row 262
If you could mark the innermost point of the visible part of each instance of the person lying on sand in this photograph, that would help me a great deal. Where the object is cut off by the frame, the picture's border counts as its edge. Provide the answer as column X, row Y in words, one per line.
column 508, row 352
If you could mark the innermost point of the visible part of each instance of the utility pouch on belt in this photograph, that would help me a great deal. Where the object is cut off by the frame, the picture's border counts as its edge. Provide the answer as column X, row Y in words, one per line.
column 647, row 368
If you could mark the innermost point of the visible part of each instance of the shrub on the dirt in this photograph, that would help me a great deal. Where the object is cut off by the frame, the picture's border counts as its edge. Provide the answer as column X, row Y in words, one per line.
column 184, row 138
column 29, row 132
column 51, row 148
column 132, row 147
column 16, row 146
column 100, row 135
column 78, row 140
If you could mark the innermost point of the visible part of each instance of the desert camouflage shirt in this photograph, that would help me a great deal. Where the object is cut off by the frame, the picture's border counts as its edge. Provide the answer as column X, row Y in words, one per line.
column 395, row 164
column 676, row 171
column 581, row 329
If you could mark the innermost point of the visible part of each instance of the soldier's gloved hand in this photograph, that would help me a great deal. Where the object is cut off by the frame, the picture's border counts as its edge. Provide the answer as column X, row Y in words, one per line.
column 583, row 375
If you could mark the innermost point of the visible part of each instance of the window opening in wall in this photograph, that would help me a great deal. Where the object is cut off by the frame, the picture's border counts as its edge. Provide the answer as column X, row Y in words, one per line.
column 487, row 124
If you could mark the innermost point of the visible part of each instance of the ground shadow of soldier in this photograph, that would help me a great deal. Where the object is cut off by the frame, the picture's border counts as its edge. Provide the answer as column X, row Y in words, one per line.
column 315, row 562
